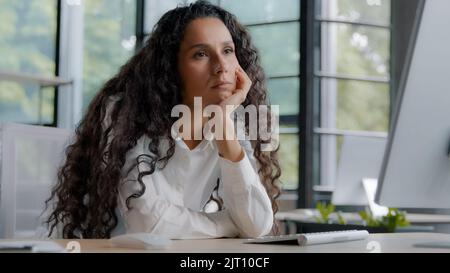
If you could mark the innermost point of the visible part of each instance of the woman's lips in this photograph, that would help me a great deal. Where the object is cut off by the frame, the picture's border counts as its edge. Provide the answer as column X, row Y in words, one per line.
column 221, row 85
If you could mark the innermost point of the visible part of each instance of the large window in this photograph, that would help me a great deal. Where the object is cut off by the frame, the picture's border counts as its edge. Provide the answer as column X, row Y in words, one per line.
column 28, row 45
column 351, row 74
column 109, row 41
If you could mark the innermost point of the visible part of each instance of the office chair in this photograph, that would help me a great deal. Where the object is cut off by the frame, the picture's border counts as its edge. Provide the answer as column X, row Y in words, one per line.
column 29, row 159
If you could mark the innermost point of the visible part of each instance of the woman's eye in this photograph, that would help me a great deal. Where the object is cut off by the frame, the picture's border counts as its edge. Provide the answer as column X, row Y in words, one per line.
column 229, row 50
column 200, row 54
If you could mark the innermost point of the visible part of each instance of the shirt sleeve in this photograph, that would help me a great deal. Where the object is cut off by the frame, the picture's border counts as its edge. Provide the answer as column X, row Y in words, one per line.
column 152, row 213
column 245, row 196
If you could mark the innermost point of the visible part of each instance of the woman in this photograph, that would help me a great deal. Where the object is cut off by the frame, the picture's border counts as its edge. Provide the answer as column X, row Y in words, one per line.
column 125, row 173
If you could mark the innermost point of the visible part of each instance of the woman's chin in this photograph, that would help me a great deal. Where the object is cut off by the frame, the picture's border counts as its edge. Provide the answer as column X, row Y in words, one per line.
column 223, row 94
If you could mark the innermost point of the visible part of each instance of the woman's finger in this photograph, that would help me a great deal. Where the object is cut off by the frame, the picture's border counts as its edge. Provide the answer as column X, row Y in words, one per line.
column 243, row 81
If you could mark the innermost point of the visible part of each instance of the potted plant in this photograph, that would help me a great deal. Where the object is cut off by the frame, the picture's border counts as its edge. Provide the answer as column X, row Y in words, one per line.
column 388, row 223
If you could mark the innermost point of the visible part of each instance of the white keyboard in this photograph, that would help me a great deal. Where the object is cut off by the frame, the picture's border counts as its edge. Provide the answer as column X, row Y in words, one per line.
column 304, row 239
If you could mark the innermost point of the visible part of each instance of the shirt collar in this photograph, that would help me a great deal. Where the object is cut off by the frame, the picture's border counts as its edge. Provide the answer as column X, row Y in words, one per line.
column 205, row 143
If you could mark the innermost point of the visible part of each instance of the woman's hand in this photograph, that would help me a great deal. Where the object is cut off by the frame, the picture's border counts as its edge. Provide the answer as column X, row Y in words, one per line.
column 238, row 96
column 230, row 148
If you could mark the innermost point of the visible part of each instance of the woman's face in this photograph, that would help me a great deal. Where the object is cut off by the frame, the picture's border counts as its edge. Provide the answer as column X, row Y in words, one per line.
column 207, row 62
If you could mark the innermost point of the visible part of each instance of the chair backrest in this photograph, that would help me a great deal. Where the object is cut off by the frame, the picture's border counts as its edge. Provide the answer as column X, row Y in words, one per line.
column 29, row 159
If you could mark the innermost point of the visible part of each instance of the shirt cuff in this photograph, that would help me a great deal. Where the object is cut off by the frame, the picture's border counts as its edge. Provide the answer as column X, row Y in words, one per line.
column 238, row 177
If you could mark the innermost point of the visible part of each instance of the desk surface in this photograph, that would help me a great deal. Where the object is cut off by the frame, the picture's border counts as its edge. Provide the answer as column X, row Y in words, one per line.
column 307, row 215
column 392, row 242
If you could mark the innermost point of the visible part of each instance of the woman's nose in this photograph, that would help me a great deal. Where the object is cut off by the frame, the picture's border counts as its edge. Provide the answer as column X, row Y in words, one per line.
column 221, row 66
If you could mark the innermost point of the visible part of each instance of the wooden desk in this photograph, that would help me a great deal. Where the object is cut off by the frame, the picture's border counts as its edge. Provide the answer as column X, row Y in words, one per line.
column 391, row 242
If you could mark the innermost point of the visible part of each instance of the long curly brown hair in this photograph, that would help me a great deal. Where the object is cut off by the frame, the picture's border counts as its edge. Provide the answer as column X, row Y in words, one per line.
column 85, row 197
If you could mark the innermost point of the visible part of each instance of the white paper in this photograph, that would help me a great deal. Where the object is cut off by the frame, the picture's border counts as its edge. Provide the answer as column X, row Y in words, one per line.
column 33, row 246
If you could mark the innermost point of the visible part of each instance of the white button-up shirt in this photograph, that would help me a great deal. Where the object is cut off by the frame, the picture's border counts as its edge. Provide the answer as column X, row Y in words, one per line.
column 175, row 203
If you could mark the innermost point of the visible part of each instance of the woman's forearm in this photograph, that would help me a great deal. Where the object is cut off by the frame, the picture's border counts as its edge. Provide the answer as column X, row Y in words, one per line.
column 229, row 147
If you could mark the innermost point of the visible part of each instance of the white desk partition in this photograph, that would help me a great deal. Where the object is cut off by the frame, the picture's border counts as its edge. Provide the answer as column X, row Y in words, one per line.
column 30, row 157
column 360, row 158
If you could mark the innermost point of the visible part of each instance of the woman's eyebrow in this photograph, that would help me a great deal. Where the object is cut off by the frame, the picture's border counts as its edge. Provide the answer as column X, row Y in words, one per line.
column 202, row 45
